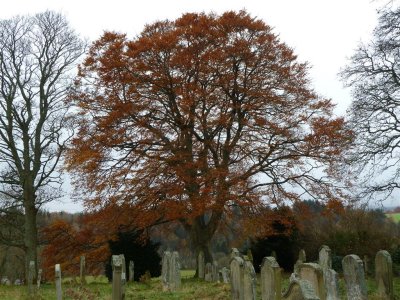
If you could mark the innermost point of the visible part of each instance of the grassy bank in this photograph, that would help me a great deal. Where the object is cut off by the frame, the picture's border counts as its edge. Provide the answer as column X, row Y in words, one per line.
column 99, row 289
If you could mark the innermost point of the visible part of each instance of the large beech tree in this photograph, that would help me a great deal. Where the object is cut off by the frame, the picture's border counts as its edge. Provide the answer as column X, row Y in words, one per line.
column 36, row 55
column 196, row 116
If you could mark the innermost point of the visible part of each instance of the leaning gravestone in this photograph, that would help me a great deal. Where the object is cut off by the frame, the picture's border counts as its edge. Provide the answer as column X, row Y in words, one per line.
column 131, row 270
column 384, row 275
column 300, row 290
column 236, row 278
column 117, row 290
column 353, row 271
column 270, row 279
column 57, row 270
column 313, row 273
column 249, row 280
column 201, row 264
column 208, row 272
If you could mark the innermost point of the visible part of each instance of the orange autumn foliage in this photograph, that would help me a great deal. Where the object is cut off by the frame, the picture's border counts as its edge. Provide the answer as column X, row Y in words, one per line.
column 195, row 116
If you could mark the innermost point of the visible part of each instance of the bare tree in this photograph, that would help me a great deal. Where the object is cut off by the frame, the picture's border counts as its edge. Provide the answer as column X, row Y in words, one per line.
column 374, row 76
column 37, row 54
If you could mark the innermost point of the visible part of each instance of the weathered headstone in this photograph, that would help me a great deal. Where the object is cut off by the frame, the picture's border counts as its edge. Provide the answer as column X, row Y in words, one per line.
column 225, row 273
column 31, row 275
column 116, row 263
column 166, row 260
column 330, row 276
column 301, row 259
column 313, row 273
column 325, row 258
column 353, row 271
column 331, row 284
column 208, row 272
column 300, row 290
column 384, row 275
column 249, row 280
column 214, row 272
column 175, row 272
column 123, row 275
column 57, row 269
column 250, row 255
column 270, row 279
column 82, row 274
column 39, row 278
column 235, row 252
column 273, row 254
column 201, row 265
column 131, row 270
column 236, row 278
column 366, row 263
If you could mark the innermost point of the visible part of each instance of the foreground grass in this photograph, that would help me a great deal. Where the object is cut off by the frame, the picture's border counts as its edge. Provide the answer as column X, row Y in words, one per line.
column 100, row 289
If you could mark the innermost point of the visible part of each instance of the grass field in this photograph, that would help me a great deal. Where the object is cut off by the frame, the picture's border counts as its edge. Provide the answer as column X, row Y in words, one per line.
column 192, row 289
column 394, row 216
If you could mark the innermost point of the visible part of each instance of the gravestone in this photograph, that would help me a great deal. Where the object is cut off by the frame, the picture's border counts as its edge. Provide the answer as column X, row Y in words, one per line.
column 174, row 271
column 31, row 275
column 166, row 260
column 353, row 271
column 270, row 279
column 208, row 272
column 39, row 278
column 57, row 270
column 331, row 285
column 250, row 255
column 131, row 270
column 117, row 291
column 214, row 272
column 330, row 276
column 325, row 258
column 301, row 259
column 300, row 290
column 201, row 265
column 249, row 280
column 366, row 263
column 225, row 272
column 313, row 273
column 235, row 252
column 123, row 274
column 82, row 270
column 236, row 278
column 384, row 275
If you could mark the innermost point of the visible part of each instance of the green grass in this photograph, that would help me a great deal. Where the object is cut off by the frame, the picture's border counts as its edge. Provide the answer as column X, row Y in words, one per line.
column 99, row 289
column 394, row 216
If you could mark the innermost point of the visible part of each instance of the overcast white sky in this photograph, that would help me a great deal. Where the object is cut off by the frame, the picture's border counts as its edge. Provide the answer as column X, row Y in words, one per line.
column 323, row 32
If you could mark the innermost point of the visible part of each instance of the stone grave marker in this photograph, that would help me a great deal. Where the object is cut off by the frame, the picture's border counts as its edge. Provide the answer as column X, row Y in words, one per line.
column 201, row 264
column 330, row 276
column 270, row 279
column 236, row 278
column 300, row 290
column 249, row 280
column 165, row 273
column 353, row 271
column 117, row 291
column 366, row 263
column 39, row 278
column 57, row 270
column 214, row 272
column 325, row 258
column 174, row 271
column 313, row 273
column 82, row 270
column 301, row 259
column 225, row 272
column 384, row 275
column 131, row 270
column 208, row 272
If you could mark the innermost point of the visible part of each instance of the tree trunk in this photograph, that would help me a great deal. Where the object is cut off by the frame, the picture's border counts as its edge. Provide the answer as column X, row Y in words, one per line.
column 201, row 231
column 30, row 233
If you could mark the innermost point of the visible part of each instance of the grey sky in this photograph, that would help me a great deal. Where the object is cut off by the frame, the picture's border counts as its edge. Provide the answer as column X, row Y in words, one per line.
column 322, row 32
